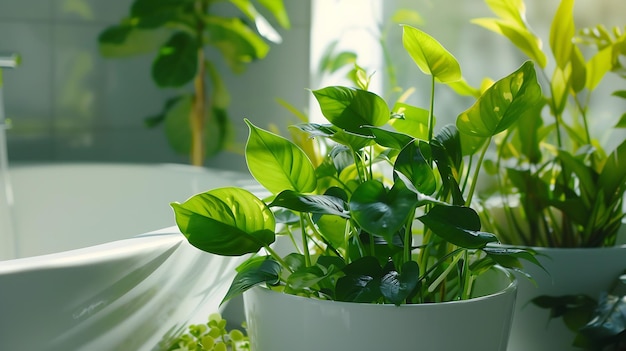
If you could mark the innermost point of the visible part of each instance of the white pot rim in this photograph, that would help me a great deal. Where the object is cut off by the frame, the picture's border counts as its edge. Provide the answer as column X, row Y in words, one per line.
column 512, row 286
column 563, row 249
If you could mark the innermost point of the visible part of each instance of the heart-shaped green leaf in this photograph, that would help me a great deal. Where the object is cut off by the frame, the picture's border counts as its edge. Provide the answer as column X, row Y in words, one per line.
column 361, row 282
column 226, row 221
column 350, row 108
column 414, row 121
column 277, row 163
column 458, row 225
column 177, row 61
column 430, row 56
column 397, row 286
column 256, row 270
column 502, row 104
column 412, row 164
column 380, row 211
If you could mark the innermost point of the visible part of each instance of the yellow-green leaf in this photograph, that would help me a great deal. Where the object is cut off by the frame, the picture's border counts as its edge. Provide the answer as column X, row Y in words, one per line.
column 430, row 56
column 562, row 32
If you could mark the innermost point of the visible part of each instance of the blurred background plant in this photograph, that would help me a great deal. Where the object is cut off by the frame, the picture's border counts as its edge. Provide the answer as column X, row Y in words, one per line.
column 181, row 34
column 215, row 335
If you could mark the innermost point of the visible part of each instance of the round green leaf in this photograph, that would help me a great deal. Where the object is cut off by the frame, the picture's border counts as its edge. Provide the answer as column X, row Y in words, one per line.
column 430, row 56
column 226, row 221
column 397, row 286
column 380, row 211
column 277, row 163
column 350, row 108
column 177, row 61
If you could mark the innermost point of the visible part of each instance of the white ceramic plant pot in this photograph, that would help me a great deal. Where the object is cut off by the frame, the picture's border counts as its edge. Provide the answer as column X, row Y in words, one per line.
column 572, row 271
column 281, row 322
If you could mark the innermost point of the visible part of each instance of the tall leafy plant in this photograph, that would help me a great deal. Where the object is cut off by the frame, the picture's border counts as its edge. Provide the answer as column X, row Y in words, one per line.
column 385, row 217
column 560, row 187
column 182, row 33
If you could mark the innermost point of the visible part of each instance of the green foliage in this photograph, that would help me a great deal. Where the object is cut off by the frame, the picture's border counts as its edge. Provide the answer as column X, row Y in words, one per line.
column 211, row 336
column 382, row 218
column 599, row 324
column 180, row 33
column 559, row 186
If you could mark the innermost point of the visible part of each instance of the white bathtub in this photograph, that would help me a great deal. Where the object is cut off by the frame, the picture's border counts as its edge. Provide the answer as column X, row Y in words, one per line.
column 86, row 277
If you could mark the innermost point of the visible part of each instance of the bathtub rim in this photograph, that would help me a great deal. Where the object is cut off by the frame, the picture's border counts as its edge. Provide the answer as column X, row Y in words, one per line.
column 109, row 251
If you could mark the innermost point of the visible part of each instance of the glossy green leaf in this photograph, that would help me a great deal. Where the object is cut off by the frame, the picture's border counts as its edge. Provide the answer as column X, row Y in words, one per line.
column 277, row 163
column 333, row 229
column 305, row 277
column 177, row 61
column 380, row 211
column 398, row 286
column 319, row 204
column 502, row 104
column 562, row 32
column 361, row 282
column 226, row 221
column 430, row 56
column 354, row 140
column 510, row 257
column 350, row 109
column 459, row 225
column 414, row 165
column 448, row 154
column 254, row 272
column 390, row 139
column 414, row 121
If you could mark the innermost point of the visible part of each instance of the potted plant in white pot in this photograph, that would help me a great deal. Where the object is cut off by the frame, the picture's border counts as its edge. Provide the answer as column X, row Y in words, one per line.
column 557, row 189
column 386, row 252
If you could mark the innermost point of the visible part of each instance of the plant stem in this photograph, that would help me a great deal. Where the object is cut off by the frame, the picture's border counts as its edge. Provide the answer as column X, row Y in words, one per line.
column 431, row 112
column 470, row 195
column 277, row 257
column 305, row 242
column 445, row 273
column 198, row 110
column 408, row 237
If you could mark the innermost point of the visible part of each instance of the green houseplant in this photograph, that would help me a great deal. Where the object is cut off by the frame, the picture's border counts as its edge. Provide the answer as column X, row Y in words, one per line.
column 384, row 219
column 556, row 185
column 181, row 33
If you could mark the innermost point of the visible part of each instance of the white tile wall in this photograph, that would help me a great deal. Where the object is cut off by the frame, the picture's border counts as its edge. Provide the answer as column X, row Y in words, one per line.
column 68, row 103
